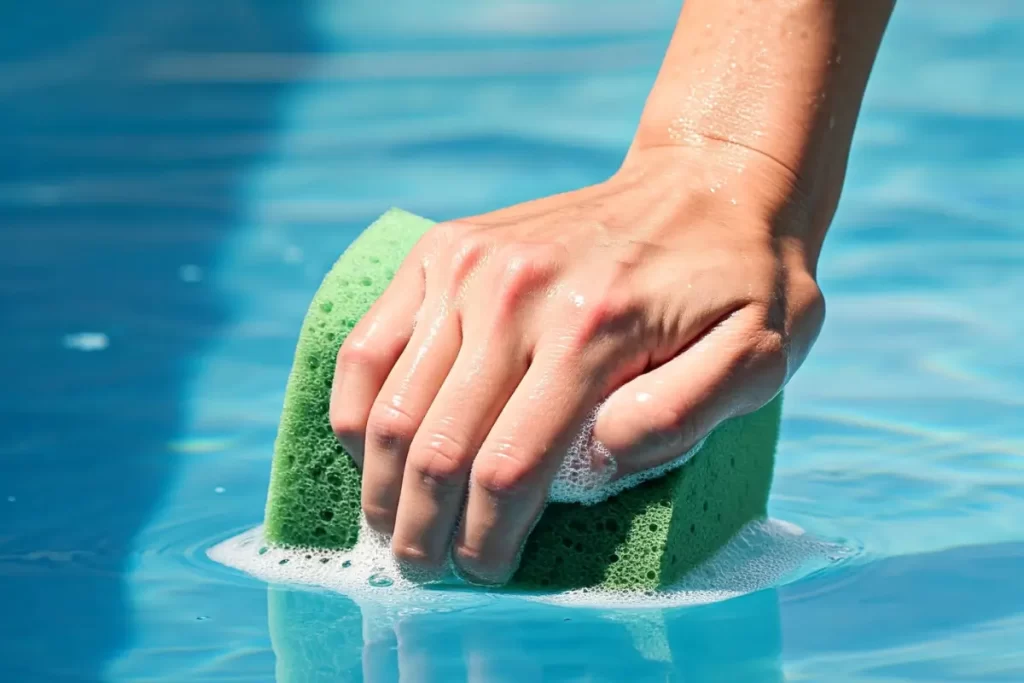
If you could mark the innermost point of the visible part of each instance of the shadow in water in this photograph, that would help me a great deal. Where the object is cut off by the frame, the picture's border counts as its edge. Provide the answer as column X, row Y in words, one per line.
column 326, row 637
column 120, row 178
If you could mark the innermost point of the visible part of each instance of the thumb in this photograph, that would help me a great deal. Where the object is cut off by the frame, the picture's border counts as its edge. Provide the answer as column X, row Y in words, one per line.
column 733, row 369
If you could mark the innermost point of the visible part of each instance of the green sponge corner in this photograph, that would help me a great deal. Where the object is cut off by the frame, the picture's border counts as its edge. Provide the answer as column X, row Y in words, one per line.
column 644, row 538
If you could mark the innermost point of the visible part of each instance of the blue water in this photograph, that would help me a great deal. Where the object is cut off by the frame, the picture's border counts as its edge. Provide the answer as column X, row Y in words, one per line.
column 175, row 177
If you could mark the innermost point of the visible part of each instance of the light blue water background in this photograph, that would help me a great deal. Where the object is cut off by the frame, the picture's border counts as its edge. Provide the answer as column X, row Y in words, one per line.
column 176, row 177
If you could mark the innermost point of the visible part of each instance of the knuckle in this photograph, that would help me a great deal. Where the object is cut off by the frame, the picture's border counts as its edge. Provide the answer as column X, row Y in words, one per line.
column 380, row 518
column 355, row 354
column 466, row 255
column 763, row 362
column 474, row 561
column 388, row 426
column 504, row 473
column 676, row 426
column 345, row 422
column 767, row 343
column 441, row 463
column 439, row 243
column 517, row 272
column 668, row 419
column 810, row 303
column 483, row 568
column 609, row 311
column 411, row 554
column 451, row 232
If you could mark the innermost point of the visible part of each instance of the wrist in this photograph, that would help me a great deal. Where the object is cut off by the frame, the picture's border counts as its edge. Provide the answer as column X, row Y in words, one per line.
column 729, row 187
column 772, row 87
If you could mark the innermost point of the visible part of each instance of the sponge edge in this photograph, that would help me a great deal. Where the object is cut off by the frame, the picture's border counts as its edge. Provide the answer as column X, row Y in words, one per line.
column 643, row 538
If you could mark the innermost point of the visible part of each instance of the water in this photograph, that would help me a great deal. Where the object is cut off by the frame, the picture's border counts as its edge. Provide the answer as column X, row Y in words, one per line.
column 176, row 177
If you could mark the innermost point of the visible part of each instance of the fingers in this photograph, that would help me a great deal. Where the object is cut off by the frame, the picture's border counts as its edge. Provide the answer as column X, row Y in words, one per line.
column 397, row 412
column 433, row 488
column 512, row 473
column 369, row 352
column 734, row 368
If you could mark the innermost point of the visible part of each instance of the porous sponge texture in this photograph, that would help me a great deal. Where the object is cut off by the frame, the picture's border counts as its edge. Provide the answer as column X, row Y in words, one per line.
column 643, row 538
column 314, row 485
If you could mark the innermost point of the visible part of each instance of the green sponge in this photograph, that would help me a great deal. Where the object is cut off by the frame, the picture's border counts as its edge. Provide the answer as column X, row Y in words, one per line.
column 644, row 538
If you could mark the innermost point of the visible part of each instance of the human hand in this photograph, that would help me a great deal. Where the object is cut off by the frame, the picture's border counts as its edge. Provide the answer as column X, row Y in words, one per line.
column 679, row 290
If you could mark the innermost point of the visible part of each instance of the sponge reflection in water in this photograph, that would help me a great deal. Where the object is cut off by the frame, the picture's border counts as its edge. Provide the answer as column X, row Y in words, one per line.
column 319, row 636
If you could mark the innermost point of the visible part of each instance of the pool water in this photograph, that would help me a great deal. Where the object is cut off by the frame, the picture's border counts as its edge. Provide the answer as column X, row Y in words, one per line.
column 176, row 177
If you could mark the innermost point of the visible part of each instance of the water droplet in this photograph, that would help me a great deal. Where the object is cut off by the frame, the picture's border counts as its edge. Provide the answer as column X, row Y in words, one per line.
column 380, row 580
column 262, row 551
column 219, row 489
column 202, row 618
column 346, row 564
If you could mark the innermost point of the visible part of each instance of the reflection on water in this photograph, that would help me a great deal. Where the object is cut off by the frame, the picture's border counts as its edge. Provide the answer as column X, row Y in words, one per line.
column 320, row 636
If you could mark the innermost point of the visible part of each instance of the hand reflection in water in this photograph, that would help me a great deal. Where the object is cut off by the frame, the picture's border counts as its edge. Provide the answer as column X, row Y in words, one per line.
column 321, row 636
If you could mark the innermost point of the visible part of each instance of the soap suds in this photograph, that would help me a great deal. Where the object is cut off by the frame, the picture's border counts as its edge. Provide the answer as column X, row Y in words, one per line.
column 762, row 554
column 586, row 475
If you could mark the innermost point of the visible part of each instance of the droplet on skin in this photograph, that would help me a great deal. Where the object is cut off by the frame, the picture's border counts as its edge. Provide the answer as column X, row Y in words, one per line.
column 643, row 397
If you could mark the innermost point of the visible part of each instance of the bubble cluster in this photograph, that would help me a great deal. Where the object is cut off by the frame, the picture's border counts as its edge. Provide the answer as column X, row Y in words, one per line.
column 587, row 473
column 763, row 554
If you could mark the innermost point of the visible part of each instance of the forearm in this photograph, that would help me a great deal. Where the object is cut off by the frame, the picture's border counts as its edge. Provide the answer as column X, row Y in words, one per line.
column 773, row 83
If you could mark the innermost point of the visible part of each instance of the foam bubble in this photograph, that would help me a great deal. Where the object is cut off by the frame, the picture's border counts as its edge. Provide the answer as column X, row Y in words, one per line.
column 763, row 554
column 586, row 475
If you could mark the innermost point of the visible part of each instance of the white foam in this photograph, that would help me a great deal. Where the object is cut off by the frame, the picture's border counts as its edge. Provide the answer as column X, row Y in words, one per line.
column 587, row 473
column 763, row 554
